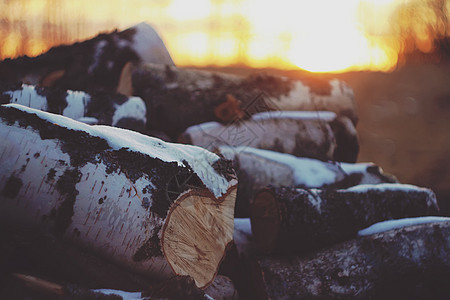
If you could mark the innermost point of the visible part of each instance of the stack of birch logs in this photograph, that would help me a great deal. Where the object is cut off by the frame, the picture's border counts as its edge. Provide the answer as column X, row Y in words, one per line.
column 266, row 161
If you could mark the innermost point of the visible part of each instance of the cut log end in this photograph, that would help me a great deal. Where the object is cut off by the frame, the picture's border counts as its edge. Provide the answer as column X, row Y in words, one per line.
column 265, row 220
column 196, row 234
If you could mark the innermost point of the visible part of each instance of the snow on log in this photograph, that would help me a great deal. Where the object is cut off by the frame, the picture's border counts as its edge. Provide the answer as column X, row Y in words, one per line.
column 89, row 65
column 123, row 294
column 305, row 134
column 178, row 98
column 399, row 223
column 258, row 168
column 158, row 208
column 102, row 108
column 295, row 220
column 408, row 263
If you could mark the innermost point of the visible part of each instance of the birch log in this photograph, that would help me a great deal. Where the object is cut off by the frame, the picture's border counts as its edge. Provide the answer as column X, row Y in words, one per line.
column 158, row 208
column 94, row 64
column 297, row 220
column 304, row 134
column 178, row 98
column 258, row 168
column 104, row 108
column 407, row 263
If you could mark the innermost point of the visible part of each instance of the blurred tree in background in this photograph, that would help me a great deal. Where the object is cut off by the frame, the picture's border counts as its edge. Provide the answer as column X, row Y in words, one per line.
column 421, row 28
column 216, row 32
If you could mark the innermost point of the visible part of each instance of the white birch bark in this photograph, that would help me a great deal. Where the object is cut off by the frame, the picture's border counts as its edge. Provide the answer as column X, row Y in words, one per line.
column 158, row 208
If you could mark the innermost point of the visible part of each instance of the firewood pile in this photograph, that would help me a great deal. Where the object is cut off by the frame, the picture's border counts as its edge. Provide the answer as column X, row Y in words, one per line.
column 123, row 176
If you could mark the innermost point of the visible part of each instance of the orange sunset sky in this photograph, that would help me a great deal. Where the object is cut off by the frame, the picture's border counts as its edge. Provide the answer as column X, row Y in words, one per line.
column 318, row 36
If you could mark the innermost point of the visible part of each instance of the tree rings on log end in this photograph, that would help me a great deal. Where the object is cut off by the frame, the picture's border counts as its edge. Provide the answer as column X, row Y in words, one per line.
column 265, row 216
column 196, row 234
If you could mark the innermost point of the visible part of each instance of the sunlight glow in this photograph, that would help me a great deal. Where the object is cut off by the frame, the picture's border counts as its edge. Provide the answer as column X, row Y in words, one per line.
column 325, row 35
column 318, row 36
column 189, row 10
column 226, row 50
column 11, row 44
column 194, row 45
